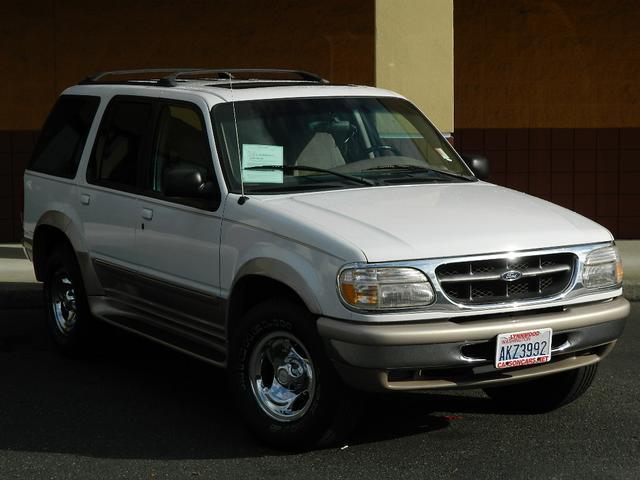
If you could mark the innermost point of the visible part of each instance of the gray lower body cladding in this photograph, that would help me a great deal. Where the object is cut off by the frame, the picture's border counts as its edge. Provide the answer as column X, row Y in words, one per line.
column 184, row 319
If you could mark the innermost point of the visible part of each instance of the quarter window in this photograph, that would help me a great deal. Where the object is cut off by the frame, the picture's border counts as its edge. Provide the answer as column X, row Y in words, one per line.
column 64, row 135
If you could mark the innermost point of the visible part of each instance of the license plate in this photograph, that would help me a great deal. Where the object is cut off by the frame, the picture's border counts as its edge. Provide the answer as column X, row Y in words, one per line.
column 517, row 349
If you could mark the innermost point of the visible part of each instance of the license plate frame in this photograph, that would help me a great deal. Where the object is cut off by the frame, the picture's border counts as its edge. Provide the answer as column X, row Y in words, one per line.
column 523, row 348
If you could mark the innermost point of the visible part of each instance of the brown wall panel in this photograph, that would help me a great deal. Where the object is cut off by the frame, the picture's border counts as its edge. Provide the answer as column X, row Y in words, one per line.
column 27, row 63
column 49, row 45
column 547, row 63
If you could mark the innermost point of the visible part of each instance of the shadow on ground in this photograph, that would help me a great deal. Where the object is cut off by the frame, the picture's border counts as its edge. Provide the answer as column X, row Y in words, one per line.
column 133, row 399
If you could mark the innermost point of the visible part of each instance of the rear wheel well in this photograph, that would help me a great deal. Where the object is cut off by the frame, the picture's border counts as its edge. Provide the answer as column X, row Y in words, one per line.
column 252, row 290
column 45, row 239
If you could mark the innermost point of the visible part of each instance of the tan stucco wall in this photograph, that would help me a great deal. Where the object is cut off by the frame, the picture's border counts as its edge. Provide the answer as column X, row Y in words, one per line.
column 414, row 54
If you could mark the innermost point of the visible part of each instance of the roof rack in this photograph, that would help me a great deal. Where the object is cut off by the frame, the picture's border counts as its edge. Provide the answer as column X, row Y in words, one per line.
column 171, row 80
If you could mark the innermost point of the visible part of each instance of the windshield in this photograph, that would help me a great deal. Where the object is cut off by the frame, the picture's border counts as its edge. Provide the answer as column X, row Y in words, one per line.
column 322, row 143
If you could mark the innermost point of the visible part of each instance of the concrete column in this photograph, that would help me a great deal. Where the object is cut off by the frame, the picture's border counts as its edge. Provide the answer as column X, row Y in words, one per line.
column 414, row 54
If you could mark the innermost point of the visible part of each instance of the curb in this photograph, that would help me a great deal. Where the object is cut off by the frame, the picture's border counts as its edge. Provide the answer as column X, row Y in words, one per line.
column 20, row 296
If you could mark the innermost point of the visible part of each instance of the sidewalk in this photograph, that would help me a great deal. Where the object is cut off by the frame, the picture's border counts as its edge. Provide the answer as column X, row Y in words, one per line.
column 19, row 288
column 18, row 285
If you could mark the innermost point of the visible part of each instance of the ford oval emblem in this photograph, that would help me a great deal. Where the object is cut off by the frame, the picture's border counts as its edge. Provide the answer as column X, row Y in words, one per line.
column 511, row 276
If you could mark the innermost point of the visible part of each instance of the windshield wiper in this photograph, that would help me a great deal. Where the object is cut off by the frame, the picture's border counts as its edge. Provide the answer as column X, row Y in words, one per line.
column 416, row 168
column 304, row 168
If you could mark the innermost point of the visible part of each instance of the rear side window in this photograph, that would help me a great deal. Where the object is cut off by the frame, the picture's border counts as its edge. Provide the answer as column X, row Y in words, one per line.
column 117, row 158
column 63, row 137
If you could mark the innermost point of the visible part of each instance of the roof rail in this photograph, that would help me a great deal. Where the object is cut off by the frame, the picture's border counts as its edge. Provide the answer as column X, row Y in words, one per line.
column 222, row 73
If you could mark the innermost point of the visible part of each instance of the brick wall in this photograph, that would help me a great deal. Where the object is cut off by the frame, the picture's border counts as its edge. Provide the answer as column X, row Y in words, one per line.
column 15, row 151
column 595, row 172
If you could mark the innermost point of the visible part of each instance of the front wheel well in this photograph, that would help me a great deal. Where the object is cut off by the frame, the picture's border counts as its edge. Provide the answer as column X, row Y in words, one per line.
column 252, row 290
column 45, row 239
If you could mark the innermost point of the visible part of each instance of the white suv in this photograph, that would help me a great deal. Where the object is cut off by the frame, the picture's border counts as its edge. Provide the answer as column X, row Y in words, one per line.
column 315, row 240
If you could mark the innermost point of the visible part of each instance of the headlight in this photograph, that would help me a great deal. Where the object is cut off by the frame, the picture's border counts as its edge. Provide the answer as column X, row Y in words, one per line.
column 385, row 288
column 602, row 268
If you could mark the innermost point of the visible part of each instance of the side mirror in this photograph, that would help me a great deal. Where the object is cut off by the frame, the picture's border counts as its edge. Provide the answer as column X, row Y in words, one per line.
column 187, row 181
column 479, row 166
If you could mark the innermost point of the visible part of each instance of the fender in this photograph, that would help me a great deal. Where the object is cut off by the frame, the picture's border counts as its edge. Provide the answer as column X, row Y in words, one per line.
column 282, row 272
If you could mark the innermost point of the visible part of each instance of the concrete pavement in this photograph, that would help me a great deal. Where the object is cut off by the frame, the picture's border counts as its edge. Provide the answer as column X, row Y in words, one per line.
column 18, row 285
column 14, row 265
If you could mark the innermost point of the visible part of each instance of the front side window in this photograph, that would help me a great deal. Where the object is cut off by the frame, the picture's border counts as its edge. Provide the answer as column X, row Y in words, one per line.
column 181, row 149
column 181, row 141
column 117, row 158
column 64, row 135
column 318, row 143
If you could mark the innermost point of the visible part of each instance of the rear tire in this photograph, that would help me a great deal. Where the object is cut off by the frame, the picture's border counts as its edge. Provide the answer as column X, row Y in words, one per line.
column 67, row 316
column 544, row 394
column 286, row 388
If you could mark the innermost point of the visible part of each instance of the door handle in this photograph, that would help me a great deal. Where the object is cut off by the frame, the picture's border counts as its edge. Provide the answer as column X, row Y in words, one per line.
column 147, row 213
column 85, row 198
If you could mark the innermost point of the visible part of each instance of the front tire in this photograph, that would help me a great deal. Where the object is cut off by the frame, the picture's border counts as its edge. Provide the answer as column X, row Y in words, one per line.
column 287, row 390
column 67, row 316
column 544, row 394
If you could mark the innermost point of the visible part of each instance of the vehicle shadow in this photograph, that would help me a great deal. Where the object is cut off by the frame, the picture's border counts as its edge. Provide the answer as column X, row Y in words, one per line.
column 131, row 398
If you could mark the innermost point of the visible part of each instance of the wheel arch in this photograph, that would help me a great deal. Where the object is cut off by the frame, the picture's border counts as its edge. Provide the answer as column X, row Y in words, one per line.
column 264, row 278
column 55, row 228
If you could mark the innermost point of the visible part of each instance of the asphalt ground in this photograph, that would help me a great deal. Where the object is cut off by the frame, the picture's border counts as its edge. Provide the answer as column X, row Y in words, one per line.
column 134, row 410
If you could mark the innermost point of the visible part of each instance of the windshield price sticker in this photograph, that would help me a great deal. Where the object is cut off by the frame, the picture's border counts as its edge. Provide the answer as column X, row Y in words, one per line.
column 260, row 155
column 518, row 349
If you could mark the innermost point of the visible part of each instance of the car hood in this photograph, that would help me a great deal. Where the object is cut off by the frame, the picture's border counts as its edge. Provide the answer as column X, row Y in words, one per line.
column 392, row 223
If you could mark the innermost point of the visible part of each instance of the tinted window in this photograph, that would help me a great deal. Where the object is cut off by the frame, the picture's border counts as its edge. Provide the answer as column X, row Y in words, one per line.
column 181, row 141
column 118, row 154
column 62, row 139
column 181, row 145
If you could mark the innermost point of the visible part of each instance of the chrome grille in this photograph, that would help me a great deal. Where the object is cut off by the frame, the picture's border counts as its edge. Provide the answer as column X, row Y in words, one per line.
column 487, row 281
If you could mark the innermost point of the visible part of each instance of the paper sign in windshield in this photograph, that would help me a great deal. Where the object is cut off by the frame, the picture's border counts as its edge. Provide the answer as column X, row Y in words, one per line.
column 443, row 154
column 261, row 155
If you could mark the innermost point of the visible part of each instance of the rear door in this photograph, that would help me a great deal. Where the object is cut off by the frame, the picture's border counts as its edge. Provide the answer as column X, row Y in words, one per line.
column 115, row 179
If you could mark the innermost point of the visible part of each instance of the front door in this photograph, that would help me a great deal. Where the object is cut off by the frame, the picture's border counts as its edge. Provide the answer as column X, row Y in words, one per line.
column 178, row 238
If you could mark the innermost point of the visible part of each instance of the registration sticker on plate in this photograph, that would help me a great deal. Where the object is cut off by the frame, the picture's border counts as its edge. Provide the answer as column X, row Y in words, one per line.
column 529, row 347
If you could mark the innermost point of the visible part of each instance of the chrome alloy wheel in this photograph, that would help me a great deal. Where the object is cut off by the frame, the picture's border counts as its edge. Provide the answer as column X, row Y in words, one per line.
column 282, row 376
column 63, row 302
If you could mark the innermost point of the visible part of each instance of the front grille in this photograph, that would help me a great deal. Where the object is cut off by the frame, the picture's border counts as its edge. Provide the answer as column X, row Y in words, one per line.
column 506, row 279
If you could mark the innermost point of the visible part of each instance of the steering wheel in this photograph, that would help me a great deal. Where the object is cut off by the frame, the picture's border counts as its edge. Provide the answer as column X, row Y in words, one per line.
column 381, row 147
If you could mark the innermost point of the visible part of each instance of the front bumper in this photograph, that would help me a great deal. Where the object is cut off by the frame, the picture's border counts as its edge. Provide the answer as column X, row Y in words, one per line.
column 458, row 353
